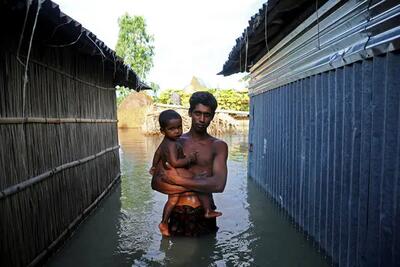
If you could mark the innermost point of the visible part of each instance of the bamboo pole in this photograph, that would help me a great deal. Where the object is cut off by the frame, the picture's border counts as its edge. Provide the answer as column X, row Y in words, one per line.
column 244, row 113
column 31, row 181
column 15, row 120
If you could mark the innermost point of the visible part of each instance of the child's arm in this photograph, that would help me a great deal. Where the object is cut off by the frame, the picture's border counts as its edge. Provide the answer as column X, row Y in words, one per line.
column 156, row 159
column 172, row 157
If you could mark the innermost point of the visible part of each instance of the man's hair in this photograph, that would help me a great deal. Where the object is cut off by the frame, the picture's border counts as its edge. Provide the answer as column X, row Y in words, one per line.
column 204, row 98
column 166, row 116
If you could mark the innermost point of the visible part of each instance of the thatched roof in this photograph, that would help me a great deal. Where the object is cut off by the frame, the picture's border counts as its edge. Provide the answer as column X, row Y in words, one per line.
column 133, row 109
column 53, row 28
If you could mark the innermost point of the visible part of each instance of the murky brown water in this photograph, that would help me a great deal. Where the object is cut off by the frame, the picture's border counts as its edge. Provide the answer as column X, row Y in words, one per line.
column 123, row 230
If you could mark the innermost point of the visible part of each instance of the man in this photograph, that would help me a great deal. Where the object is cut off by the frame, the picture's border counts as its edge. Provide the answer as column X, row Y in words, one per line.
column 208, row 175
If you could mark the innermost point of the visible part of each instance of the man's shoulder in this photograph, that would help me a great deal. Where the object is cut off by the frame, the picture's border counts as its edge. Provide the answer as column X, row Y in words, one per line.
column 184, row 136
column 211, row 139
column 216, row 140
column 219, row 144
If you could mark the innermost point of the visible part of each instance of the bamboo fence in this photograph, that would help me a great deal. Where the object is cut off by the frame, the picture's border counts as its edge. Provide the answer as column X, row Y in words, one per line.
column 222, row 122
column 59, row 148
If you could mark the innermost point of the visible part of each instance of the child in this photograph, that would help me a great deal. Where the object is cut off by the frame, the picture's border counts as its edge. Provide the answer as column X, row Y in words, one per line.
column 171, row 151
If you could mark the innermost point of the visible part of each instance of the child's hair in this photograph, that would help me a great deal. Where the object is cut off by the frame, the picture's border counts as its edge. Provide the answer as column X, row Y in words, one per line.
column 204, row 98
column 167, row 115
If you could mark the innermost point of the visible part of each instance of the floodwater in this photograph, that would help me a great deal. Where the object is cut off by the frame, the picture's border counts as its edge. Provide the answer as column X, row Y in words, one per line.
column 123, row 230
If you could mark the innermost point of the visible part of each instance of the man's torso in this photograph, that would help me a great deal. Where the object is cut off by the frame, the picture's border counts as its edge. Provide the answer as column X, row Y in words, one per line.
column 205, row 153
column 204, row 164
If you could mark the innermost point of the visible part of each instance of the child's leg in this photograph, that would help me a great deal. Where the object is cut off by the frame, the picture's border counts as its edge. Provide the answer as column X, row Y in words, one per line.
column 169, row 206
column 205, row 200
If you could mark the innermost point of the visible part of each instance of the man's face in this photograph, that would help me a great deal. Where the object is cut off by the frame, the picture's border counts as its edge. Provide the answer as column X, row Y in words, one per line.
column 201, row 117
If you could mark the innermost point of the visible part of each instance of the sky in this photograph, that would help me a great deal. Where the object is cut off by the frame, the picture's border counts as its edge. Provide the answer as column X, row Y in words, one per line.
column 192, row 38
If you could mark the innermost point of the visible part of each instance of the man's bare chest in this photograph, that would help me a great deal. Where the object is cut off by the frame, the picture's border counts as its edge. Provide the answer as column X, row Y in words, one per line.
column 205, row 153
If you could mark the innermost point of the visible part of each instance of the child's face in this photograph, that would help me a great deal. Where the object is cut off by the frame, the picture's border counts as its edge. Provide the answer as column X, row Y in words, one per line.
column 173, row 130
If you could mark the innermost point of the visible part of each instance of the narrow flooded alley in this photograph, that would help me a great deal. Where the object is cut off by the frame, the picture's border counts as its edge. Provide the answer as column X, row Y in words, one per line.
column 123, row 230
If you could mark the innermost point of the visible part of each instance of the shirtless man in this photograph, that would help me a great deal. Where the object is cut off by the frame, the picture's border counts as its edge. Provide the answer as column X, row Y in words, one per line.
column 208, row 175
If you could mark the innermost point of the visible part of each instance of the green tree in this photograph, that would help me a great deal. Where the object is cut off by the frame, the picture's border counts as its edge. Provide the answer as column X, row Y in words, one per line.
column 135, row 45
column 122, row 93
column 227, row 98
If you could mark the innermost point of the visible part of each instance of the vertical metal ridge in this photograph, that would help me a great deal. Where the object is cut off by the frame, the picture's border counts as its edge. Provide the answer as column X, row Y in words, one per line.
column 396, row 217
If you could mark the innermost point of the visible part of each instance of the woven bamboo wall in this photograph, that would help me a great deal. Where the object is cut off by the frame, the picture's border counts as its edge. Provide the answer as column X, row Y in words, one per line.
column 59, row 147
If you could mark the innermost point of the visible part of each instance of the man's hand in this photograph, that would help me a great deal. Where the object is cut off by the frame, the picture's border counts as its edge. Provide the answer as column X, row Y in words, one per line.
column 192, row 157
column 170, row 174
column 158, row 184
column 177, row 176
column 201, row 175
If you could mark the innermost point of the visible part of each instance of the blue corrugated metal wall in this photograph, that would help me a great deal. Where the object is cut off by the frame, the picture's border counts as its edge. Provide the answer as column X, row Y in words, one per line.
column 327, row 149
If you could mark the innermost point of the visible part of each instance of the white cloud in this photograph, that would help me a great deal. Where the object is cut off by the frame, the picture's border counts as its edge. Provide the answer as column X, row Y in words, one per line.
column 191, row 37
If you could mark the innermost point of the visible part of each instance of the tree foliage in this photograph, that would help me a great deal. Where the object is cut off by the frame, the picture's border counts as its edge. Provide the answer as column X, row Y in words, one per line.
column 228, row 99
column 155, row 89
column 122, row 93
column 231, row 99
column 135, row 45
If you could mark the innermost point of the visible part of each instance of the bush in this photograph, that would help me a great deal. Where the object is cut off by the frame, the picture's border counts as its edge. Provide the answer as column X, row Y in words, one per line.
column 165, row 96
column 231, row 99
column 227, row 98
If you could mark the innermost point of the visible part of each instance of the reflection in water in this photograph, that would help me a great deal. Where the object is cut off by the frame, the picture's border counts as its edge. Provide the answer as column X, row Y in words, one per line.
column 123, row 230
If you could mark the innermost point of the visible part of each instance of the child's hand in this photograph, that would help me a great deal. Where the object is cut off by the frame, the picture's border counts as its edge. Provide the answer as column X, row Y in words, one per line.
column 193, row 157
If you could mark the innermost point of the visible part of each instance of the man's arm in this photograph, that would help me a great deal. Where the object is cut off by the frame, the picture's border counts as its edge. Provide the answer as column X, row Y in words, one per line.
column 156, row 157
column 156, row 160
column 158, row 183
column 213, row 184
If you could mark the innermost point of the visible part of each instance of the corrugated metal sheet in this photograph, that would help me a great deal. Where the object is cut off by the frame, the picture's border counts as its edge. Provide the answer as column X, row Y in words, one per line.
column 336, row 35
column 267, row 28
column 327, row 149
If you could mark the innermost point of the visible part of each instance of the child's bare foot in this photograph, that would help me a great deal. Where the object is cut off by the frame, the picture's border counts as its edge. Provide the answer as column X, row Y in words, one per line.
column 164, row 229
column 212, row 214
